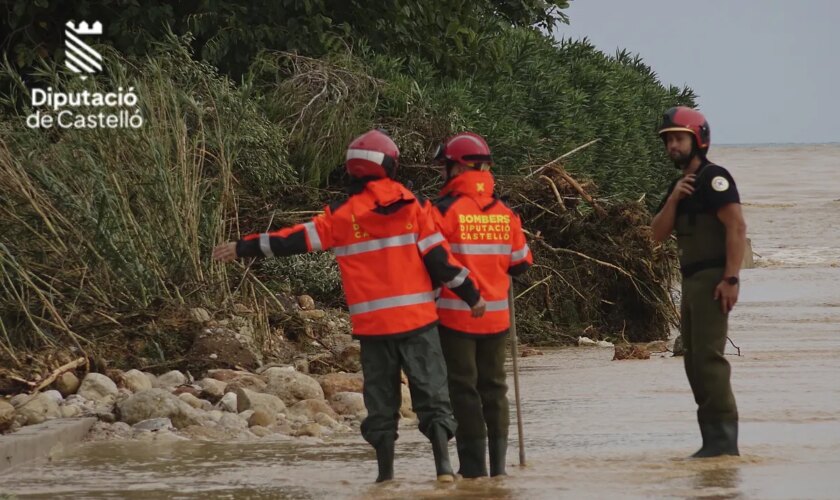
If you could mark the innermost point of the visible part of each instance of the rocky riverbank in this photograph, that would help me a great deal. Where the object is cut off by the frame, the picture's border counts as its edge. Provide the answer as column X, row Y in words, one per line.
column 224, row 404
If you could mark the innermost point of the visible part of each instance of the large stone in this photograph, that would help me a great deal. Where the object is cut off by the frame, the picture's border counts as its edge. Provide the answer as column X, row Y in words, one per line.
column 333, row 383
column 170, row 380
column 67, row 384
column 38, row 409
column 226, row 375
column 326, row 421
column 630, row 351
column 220, row 347
column 306, row 303
column 232, row 421
column 55, row 395
column 213, row 434
column 250, row 382
column 70, row 411
column 198, row 404
column 348, row 403
column 151, row 377
column 308, row 408
column 313, row 314
column 212, row 389
column 292, row 386
column 260, row 431
column 7, row 416
column 228, row 402
column 158, row 403
column 153, row 424
column 250, row 400
column 311, row 429
column 98, row 387
column 350, row 358
column 136, row 381
column 103, row 431
column 20, row 399
column 261, row 418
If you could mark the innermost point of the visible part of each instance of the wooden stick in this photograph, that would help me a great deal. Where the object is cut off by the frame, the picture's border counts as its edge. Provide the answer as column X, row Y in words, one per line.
column 556, row 192
column 538, row 283
column 561, row 158
column 572, row 182
column 59, row 371
column 515, row 355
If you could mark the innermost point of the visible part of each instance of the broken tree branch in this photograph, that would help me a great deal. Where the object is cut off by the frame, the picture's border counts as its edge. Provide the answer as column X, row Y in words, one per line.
column 58, row 372
column 561, row 158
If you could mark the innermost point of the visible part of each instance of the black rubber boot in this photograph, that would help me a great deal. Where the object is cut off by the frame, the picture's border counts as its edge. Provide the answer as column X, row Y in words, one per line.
column 385, row 459
column 440, row 449
column 719, row 438
column 471, row 455
column 498, row 453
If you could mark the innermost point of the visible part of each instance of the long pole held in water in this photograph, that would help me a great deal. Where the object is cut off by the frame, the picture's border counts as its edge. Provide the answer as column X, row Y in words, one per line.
column 515, row 355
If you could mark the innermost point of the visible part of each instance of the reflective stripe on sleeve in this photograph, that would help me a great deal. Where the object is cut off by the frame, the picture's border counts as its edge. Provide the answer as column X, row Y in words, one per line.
column 429, row 241
column 459, row 279
column 460, row 305
column 389, row 302
column 378, row 244
column 519, row 254
column 480, row 249
column 312, row 234
column 265, row 245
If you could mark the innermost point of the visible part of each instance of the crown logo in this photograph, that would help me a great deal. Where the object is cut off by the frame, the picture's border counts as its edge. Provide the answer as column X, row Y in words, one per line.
column 84, row 29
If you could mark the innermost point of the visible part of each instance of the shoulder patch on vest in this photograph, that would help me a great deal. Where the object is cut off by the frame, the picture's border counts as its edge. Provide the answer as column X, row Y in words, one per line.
column 720, row 184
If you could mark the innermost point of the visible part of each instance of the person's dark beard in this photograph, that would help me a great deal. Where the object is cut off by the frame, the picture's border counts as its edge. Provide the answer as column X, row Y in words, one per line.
column 681, row 160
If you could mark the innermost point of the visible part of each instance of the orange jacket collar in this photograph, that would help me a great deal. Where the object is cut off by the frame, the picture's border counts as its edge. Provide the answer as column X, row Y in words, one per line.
column 388, row 191
column 473, row 183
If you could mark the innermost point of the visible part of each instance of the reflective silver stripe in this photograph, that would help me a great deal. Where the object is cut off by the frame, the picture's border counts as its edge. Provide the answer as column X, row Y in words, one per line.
column 460, row 305
column 369, row 246
column 388, row 302
column 480, row 249
column 265, row 245
column 458, row 280
column 374, row 156
column 312, row 234
column 519, row 254
column 428, row 241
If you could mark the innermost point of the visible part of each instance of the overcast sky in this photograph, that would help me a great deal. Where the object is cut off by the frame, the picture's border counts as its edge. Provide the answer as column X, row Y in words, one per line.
column 766, row 71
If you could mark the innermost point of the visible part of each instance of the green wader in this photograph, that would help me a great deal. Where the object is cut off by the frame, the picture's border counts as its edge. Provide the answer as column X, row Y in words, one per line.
column 421, row 358
column 479, row 398
column 701, row 238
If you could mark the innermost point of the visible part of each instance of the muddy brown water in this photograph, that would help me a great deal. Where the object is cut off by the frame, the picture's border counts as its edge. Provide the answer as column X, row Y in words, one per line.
column 594, row 428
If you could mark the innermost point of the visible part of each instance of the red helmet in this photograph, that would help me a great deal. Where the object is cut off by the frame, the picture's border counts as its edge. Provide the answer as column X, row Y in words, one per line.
column 372, row 154
column 683, row 119
column 465, row 148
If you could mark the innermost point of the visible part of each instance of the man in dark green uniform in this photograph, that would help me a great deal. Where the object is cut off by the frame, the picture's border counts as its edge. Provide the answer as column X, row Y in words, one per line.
column 704, row 208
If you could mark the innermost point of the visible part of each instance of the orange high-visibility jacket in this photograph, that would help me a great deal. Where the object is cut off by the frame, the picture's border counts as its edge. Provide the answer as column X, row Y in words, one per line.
column 389, row 253
column 486, row 236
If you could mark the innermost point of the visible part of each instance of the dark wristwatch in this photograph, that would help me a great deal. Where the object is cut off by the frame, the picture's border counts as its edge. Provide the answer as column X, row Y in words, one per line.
column 732, row 280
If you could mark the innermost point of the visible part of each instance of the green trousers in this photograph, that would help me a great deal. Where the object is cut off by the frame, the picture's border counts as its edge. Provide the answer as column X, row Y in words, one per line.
column 477, row 384
column 704, row 329
column 421, row 358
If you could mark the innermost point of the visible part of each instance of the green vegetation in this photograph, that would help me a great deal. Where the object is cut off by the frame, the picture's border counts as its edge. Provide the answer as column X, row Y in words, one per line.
column 103, row 232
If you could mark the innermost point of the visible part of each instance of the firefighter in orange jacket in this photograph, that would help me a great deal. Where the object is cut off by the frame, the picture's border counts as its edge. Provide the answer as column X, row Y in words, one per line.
column 389, row 253
column 486, row 236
